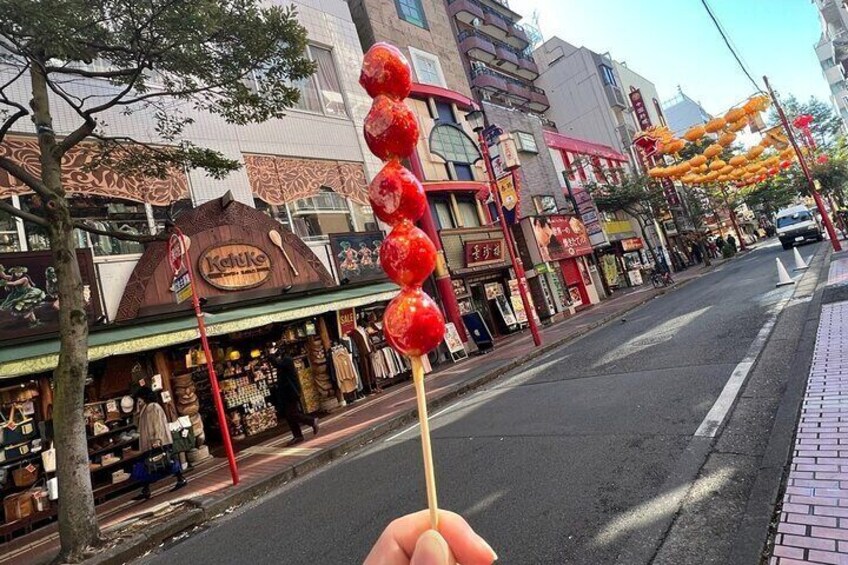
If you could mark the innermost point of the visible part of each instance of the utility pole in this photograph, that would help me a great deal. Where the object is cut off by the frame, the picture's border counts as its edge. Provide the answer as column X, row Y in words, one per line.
column 828, row 224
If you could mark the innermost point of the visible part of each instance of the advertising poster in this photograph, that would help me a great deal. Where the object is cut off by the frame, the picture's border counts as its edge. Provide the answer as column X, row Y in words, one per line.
column 560, row 237
column 357, row 255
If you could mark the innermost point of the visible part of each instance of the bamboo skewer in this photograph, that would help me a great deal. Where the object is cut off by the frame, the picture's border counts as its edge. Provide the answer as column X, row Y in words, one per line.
column 429, row 471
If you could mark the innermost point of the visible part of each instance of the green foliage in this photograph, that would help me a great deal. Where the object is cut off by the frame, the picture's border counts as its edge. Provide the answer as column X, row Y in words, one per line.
column 165, row 57
column 827, row 125
column 637, row 195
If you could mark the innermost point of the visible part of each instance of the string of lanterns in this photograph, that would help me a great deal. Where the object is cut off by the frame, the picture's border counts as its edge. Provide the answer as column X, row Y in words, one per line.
column 752, row 166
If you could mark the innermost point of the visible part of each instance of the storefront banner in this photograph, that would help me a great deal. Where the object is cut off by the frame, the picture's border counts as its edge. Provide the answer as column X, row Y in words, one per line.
column 639, row 109
column 631, row 244
column 357, row 255
column 29, row 293
column 560, row 237
column 484, row 252
column 347, row 320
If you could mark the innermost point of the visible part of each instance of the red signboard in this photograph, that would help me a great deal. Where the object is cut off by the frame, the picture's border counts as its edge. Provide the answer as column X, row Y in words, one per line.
column 347, row 320
column 670, row 192
column 561, row 237
column 640, row 110
column 175, row 253
column 484, row 252
column 631, row 244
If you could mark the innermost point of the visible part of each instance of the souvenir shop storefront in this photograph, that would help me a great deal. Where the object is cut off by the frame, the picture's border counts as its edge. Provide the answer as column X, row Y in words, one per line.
column 485, row 289
column 558, row 248
column 261, row 292
column 623, row 263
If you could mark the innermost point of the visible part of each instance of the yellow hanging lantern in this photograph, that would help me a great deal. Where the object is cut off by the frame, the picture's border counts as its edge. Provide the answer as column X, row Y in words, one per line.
column 697, row 160
column 734, row 115
column 726, row 138
column 738, row 160
column 766, row 142
column 756, row 104
column 694, row 133
column 788, row 153
column 771, row 161
column 712, row 176
column 684, row 167
column 656, row 172
column 755, row 152
column 723, row 178
column 676, row 145
column 726, row 170
column 715, row 125
column 703, row 168
column 717, row 165
column 713, row 150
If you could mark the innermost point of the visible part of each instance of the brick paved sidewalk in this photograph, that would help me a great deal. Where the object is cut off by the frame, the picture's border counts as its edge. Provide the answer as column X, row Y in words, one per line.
column 813, row 525
column 270, row 464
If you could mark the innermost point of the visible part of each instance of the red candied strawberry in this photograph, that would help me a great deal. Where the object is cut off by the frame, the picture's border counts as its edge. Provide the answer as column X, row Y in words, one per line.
column 391, row 130
column 413, row 323
column 396, row 194
column 385, row 71
column 407, row 255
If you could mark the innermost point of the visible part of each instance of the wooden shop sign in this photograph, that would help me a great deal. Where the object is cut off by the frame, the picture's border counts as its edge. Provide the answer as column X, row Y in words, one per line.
column 235, row 266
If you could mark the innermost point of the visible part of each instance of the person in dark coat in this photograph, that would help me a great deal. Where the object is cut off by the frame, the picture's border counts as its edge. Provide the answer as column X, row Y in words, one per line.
column 731, row 241
column 287, row 397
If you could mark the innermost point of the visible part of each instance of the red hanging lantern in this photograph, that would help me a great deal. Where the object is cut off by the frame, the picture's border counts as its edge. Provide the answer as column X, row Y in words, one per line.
column 822, row 159
column 803, row 121
column 785, row 164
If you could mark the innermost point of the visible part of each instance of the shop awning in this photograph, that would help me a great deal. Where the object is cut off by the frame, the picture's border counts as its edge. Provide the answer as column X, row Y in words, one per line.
column 42, row 356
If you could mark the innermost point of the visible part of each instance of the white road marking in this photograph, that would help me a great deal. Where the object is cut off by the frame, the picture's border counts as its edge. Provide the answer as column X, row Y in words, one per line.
column 714, row 418
column 415, row 425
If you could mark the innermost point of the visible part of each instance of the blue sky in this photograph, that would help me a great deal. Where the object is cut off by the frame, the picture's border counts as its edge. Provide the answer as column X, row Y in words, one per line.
column 673, row 42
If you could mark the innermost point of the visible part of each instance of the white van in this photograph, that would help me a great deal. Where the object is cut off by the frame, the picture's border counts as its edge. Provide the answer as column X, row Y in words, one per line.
column 797, row 224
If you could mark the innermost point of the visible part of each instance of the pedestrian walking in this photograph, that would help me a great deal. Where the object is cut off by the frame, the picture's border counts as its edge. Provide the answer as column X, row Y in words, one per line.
column 731, row 241
column 287, row 397
column 155, row 441
column 719, row 241
column 696, row 253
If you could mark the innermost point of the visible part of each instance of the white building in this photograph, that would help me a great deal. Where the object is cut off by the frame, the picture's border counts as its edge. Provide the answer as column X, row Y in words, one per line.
column 590, row 94
column 681, row 113
column 832, row 52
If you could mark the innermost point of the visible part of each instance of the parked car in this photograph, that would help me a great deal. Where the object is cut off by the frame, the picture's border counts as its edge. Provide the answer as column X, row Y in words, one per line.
column 797, row 224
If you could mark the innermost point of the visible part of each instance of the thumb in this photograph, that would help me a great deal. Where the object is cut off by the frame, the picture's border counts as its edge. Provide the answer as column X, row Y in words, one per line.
column 432, row 549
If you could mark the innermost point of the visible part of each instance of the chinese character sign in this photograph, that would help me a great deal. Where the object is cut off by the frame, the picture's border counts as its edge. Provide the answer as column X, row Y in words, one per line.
column 640, row 110
column 484, row 252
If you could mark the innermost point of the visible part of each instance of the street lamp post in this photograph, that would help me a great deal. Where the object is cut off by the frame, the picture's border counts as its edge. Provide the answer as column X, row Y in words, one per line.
column 477, row 121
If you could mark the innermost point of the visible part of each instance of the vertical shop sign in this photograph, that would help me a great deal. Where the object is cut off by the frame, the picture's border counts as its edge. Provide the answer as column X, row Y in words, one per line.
column 640, row 110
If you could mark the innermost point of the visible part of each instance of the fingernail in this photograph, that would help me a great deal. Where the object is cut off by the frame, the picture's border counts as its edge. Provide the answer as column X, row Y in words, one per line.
column 484, row 543
column 431, row 549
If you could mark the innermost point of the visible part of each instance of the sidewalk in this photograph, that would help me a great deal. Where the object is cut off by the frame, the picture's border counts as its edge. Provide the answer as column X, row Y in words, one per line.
column 265, row 466
column 813, row 524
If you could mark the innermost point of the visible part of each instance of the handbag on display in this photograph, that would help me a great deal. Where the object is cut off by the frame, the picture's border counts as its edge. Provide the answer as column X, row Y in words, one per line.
column 13, row 451
column 18, row 506
column 25, row 476
column 48, row 460
column 53, row 488
column 18, row 427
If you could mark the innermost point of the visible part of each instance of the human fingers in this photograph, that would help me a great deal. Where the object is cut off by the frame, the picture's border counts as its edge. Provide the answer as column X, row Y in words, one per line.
column 397, row 543
column 432, row 549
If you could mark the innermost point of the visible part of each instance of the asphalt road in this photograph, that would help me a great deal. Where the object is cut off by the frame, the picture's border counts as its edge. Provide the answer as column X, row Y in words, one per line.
column 560, row 463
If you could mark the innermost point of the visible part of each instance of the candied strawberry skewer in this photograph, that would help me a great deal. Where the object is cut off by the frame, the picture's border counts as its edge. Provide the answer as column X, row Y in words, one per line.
column 413, row 324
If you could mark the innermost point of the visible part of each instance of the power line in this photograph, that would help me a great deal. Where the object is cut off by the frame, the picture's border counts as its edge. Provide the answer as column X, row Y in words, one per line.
column 730, row 46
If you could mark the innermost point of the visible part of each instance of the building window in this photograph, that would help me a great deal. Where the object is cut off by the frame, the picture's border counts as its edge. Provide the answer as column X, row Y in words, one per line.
column 545, row 204
column 320, row 93
column 412, row 11
column 607, row 75
column 440, row 207
column 8, row 233
column 468, row 211
column 314, row 217
column 526, row 142
column 453, row 145
column 428, row 69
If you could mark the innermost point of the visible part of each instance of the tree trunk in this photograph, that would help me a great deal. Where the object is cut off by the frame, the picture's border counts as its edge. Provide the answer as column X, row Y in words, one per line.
column 78, row 529
column 648, row 243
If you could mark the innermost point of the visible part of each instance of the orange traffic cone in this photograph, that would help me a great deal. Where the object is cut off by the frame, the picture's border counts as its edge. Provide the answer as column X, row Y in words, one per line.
column 782, row 276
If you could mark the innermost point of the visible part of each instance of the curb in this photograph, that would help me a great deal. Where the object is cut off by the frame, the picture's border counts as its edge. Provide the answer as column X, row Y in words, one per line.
column 211, row 507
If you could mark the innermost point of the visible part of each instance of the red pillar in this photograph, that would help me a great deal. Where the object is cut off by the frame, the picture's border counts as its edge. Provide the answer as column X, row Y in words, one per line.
column 441, row 274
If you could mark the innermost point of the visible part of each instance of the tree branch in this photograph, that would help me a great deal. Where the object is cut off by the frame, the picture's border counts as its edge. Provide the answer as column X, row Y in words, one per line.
column 10, row 121
column 25, row 177
column 25, row 216
column 117, row 234
column 65, row 70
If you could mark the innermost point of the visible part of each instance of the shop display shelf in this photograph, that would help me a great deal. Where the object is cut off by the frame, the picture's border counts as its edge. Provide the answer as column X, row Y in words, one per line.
column 128, row 457
column 112, row 432
column 112, row 447
column 21, row 458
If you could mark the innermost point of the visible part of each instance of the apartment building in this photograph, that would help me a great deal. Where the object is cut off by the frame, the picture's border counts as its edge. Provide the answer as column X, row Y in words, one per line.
column 832, row 52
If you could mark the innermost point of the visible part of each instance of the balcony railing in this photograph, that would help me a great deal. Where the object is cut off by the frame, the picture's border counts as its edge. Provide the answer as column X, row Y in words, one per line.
column 321, row 202
column 493, row 21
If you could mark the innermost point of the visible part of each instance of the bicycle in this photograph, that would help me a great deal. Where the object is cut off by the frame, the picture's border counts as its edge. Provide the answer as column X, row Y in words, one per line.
column 661, row 278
